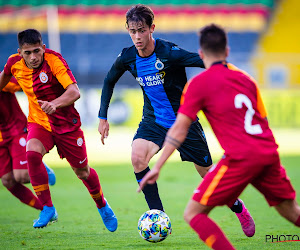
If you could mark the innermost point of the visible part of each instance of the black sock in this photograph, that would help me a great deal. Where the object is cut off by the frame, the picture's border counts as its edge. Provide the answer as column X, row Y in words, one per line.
column 237, row 207
column 150, row 191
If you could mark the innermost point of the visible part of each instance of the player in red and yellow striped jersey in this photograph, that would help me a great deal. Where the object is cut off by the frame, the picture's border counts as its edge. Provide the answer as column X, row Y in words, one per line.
column 232, row 104
column 51, row 89
column 13, row 133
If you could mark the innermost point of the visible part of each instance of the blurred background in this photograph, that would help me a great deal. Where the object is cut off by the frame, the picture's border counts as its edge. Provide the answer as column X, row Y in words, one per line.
column 263, row 37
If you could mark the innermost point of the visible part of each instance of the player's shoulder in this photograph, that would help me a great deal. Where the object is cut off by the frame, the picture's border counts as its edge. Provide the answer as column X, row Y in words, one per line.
column 163, row 45
column 127, row 52
column 51, row 54
column 14, row 58
column 241, row 73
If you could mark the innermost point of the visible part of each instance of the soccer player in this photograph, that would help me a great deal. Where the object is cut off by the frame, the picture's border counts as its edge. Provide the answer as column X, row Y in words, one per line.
column 13, row 133
column 51, row 89
column 233, row 106
column 159, row 68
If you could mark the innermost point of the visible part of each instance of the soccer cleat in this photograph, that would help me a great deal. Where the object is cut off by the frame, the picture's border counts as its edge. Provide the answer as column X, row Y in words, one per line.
column 47, row 215
column 109, row 218
column 51, row 175
column 52, row 220
column 246, row 221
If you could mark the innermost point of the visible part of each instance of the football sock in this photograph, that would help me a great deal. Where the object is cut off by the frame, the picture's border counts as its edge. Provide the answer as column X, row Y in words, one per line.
column 25, row 195
column 39, row 177
column 237, row 207
column 210, row 233
column 297, row 223
column 150, row 191
column 92, row 183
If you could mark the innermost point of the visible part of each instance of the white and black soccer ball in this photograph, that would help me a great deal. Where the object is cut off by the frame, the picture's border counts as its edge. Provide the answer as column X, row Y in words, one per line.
column 154, row 226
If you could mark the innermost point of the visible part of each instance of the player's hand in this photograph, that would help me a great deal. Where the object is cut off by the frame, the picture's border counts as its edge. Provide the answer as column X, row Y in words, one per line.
column 48, row 107
column 103, row 129
column 149, row 178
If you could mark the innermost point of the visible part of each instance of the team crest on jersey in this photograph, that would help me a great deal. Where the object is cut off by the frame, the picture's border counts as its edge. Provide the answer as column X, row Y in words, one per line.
column 79, row 141
column 43, row 77
column 159, row 64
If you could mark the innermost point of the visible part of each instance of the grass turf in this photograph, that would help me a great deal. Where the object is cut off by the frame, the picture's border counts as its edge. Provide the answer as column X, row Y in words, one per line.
column 80, row 227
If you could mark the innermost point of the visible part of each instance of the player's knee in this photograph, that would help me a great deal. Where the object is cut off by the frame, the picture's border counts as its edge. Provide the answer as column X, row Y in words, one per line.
column 139, row 163
column 22, row 179
column 8, row 181
column 83, row 173
column 21, row 176
column 187, row 215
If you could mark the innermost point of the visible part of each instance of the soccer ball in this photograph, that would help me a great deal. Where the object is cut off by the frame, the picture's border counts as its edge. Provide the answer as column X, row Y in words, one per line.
column 154, row 226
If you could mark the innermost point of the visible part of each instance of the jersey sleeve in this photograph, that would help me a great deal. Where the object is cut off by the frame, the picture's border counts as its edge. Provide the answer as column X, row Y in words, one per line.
column 60, row 69
column 114, row 74
column 191, row 100
column 12, row 86
column 181, row 57
column 260, row 105
column 9, row 64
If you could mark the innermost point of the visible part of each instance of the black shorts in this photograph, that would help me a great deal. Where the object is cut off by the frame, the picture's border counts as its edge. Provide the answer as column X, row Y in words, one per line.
column 194, row 148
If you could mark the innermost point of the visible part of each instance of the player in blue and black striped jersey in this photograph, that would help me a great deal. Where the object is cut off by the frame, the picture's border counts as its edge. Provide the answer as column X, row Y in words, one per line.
column 159, row 68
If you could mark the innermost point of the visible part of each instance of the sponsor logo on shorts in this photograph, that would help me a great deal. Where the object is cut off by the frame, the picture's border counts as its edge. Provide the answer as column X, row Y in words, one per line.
column 23, row 162
column 83, row 161
column 43, row 77
column 22, row 141
column 196, row 191
column 79, row 141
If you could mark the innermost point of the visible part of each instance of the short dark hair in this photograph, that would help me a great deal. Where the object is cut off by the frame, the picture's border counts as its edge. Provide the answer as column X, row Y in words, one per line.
column 140, row 13
column 213, row 39
column 29, row 36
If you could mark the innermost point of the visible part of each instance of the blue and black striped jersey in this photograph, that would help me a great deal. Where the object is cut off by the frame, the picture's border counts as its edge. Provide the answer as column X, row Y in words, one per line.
column 161, row 76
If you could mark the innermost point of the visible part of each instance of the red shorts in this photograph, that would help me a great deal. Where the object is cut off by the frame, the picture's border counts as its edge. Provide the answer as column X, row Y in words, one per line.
column 224, row 183
column 69, row 145
column 13, row 154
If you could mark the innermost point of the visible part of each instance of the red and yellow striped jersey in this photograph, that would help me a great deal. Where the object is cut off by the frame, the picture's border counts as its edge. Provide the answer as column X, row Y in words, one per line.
column 46, row 83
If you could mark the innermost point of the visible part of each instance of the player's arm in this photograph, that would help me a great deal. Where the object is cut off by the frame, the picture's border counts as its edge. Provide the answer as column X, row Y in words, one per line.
column 114, row 74
column 4, row 80
column 71, row 94
column 12, row 86
column 175, row 137
column 184, row 58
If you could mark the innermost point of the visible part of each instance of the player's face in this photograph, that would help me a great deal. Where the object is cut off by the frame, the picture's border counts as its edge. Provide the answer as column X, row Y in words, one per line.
column 140, row 34
column 33, row 54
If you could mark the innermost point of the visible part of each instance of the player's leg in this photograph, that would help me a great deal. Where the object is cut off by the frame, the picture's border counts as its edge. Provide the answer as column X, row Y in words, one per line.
column 239, row 208
column 20, row 191
column 13, row 170
column 195, row 149
column 213, row 191
column 196, row 215
column 146, row 143
column 290, row 210
column 275, row 185
column 51, row 175
column 17, row 150
column 90, row 179
column 72, row 147
column 39, row 142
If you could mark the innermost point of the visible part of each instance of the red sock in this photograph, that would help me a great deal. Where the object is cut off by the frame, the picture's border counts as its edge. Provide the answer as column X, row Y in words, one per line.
column 25, row 195
column 210, row 233
column 39, row 177
column 297, row 223
column 93, row 185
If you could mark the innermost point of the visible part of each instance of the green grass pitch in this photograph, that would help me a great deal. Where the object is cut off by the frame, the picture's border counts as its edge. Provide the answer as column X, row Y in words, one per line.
column 80, row 227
